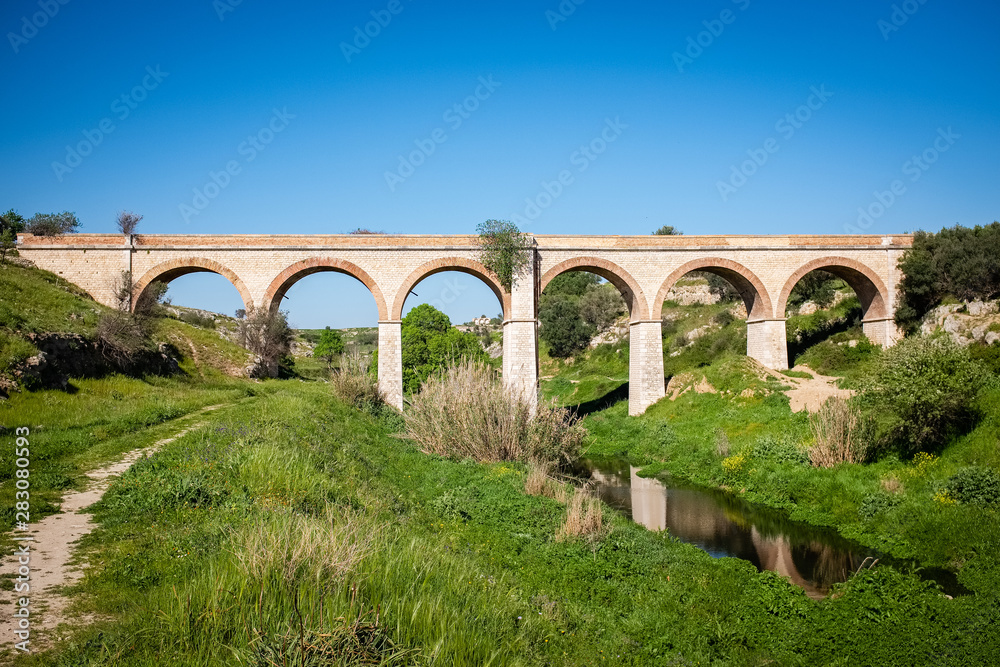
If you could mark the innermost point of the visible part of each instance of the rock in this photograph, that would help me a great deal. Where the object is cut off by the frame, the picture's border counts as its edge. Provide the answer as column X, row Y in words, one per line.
column 808, row 308
column 688, row 295
column 495, row 350
column 259, row 369
column 991, row 337
column 980, row 308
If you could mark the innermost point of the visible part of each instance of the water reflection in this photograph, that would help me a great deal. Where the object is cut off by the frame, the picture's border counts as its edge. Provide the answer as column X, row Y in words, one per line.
column 724, row 526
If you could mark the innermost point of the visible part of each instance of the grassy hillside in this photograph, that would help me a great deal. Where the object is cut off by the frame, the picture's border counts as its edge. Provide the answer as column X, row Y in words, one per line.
column 36, row 301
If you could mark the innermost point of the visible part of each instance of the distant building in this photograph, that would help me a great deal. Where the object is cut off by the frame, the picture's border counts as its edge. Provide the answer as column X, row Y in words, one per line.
column 481, row 321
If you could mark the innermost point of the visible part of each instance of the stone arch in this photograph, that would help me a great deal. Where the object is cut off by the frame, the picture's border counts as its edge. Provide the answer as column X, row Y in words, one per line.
column 176, row 268
column 865, row 282
column 283, row 282
column 461, row 264
column 746, row 282
column 614, row 274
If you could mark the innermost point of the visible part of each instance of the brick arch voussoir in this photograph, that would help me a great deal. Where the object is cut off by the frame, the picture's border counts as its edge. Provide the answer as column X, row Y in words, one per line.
column 872, row 294
column 461, row 264
column 759, row 309
column 175, row 268
column 613, row 273
column 284, row 280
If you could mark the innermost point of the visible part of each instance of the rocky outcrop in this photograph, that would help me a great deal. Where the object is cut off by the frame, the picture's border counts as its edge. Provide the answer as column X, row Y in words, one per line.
column 977, row 321
column 62, row 356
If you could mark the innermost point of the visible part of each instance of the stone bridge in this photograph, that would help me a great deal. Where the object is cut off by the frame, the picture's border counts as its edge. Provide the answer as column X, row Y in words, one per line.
column 764, row 269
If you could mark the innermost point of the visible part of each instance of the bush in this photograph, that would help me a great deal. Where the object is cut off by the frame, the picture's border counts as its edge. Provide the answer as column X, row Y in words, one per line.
column 974, row 485
column 465, row 412
column 724, row 318
column 877, row 503
column 198, row 320
column 842, row 434
column 778, row 449
column 121, row 336
column 922, row 392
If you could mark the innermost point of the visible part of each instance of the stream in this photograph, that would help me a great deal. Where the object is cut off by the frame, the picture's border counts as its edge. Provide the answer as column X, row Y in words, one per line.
column 810, row 557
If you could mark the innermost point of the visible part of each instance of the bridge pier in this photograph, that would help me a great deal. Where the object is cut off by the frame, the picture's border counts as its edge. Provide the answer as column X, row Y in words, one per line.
column 390, row 362
column 646, row 381
column 520, row 336
column 766, row 342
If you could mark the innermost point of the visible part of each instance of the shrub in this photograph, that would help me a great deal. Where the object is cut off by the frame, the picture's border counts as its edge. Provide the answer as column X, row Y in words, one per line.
column 921, row 392
column 974, row 485
column 121, row 336
column 842, row 434
column 198, row 320
column 877, row 503
column 778, row 449
column 724, row 318
column 465, row 412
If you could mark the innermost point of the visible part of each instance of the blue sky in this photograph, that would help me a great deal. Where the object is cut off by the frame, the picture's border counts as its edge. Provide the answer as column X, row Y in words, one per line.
column 716, row 117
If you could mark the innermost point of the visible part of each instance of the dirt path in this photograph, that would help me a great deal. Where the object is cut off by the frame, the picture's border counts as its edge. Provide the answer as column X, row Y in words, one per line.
column 51, row 550
column 809, row 394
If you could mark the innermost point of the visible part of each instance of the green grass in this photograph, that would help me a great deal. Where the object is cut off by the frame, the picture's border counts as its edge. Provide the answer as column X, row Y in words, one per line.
column 460, row 566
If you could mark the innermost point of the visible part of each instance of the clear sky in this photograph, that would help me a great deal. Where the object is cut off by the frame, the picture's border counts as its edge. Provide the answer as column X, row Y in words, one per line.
column 717, row 117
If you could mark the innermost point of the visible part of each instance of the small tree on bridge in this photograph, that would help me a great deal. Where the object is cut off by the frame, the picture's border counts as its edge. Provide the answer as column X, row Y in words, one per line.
column 504, row 249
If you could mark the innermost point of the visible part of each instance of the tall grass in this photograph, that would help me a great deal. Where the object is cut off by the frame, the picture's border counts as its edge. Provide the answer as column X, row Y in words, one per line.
column 584, row 518
column 841, row 433
column 355, row 385
column 465, row 412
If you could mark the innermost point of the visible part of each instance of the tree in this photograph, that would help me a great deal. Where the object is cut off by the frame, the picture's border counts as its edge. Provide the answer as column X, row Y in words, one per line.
column 601, row 305
column 668, row 230
column 504, row 250
column 11, row 221
column 7, row 245
column 127, row 222
column 267, row 335
column 330, row 345
column 571, row 283
column 431, row 343
column 816, row 286
column 52, row 224
column 563, row 328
